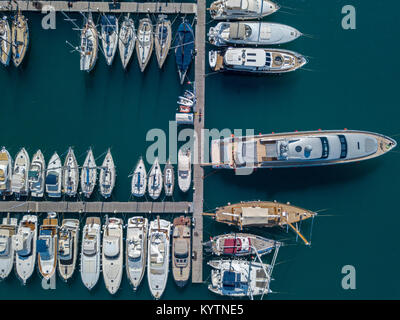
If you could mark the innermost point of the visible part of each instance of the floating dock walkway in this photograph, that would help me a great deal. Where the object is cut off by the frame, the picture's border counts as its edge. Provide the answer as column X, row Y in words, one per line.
column 97, row 6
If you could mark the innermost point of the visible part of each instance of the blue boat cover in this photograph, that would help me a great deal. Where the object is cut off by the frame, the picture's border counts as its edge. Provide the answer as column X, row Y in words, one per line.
column 184, row 46
column 51, row 179
column 45, row 232
column 41, row 245
column 229, row 279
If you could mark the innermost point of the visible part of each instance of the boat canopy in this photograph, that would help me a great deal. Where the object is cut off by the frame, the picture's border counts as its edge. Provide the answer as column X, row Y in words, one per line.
column 181, row 249
column 52, row 178
column 237, row 31
column 230, row 280
column 111, row 247
column 252, row 216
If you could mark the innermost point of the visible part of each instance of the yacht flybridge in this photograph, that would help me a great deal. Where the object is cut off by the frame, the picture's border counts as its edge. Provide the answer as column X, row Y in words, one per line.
column 255, row 60
column 298, row 149
column 242, row 9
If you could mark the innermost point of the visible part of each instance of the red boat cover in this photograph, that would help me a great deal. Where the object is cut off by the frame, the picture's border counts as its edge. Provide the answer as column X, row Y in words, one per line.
column 234, row 245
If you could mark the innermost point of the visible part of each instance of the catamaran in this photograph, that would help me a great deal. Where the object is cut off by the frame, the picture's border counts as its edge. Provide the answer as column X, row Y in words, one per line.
column 20, row 38
column 88, row 174
column 242, row 9
column 112, row 258
column 36, row 175
column 70, row 174
column 90, row 252
column 158, row 256
column 5, row 42
column 139, row 180
column 144, row 43
column 54, row 177
column 162, row 39
column 109, row 36
column 181, row 250
column 169, row 179
column 107, row 175
column 19, row 180
column 256, row 60
column 47, row 246
column 6, row 167
column 89, row 44
column 136, row 249
column 251, row 33
column 127, row 40
column 68, row 247
column 155, row 180
column 8, row 229
column 184, row 169
column 25, row 247
column 184, row 46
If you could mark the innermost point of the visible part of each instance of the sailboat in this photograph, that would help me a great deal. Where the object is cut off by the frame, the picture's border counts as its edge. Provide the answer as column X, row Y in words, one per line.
column 20, row 38
column 169, row 179
column 144, row 43
column 68, row 247
column 184, row 46
column 155, row 180
column 88, row 174
column 89, row 44
column 19, row 181
column 184, row 169
column 127, row 40
column 70, row 174
column 54, row 177
column 8, row 229
column 112, row 256
column 136, row 249
column 5, row 42
column 107, row 175
column 25, row 247
column 181, row 250
column 158, row 256
column 36, row 175
column 139, row 180
column 47, row 246
column 90, row 252
column 162, row 39
column 109, row 36
column 6, row 168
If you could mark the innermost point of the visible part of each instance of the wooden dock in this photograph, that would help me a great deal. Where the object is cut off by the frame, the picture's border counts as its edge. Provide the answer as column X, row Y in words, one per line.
column 198, row 173
column 98, row 6
column 96, row 207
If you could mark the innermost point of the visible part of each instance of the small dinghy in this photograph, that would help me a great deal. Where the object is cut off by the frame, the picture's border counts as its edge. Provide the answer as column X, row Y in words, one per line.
column 36, row 175
column 47, row 246
column 144, row 43
column 25, row 247
column 19, row 181
column 5, row 42
column 162, row 39
column 112, row 256
column 90, row 252
column 136, row 249
column 20, row 38
column 107, row 175
column 184, row 44
column 184, row 169
column 6, row 167
column 109, row 36
column 70, row 174
column 89, row 45
column 181, row 250
column 88, row 174
column 155, row 180
column 158, row 256
column 169, row 179
column 240, row 244
column 54, row 177
column 8, row 229
column 139, row 180
column 127, row 40
column 68, row 248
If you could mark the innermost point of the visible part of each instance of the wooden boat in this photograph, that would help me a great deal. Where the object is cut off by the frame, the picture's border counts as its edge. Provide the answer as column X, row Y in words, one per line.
column 107, row 175
column 36, row 175
column 89, row 174
column 144, row 43
column 169, row 179
column 181, row 250
column 68, row 247
column 162, row 39
column 47, row 246
column 70, row 174
column 20, row 38
column 127, row 40
column 5, row 42
column 262, row 214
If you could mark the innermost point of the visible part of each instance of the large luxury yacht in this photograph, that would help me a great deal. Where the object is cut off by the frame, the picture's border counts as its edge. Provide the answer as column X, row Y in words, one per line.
column 242, row 9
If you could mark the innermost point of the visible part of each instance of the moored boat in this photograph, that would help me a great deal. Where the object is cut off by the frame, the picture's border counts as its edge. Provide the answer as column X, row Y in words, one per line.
column 184, row 169
column 5, row 42
column 144, row 42
column 181, row 250
column 107, row 175
column 68, row 247
column 36, row 175
column 109, row 36
column 54, row 177
column 184, row 46
column 20, row 38
column 139, row 180
column 70, row 174
column 169, row 179
column 162, row 39
column 19, row 180
column 8, row 229
column 242, row 9
column 88, row 174
column 47, row 246
column 127, row 40
column 136, row 249
column 155, row 182
column 6, row 169
column 89, row 44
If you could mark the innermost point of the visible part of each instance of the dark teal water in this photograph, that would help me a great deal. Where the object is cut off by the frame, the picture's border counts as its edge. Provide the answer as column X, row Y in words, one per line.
column 350, row 82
